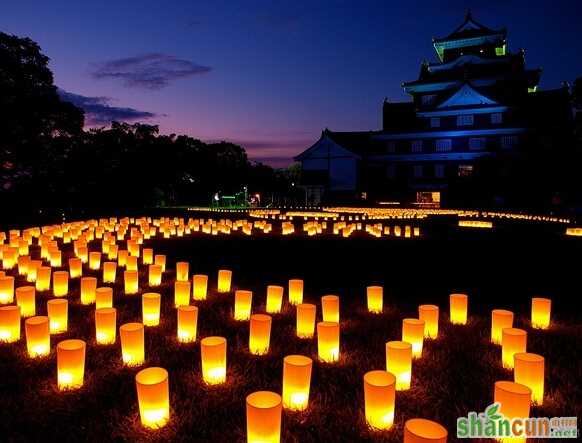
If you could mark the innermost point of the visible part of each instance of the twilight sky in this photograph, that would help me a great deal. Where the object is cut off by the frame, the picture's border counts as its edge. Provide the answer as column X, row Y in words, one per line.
column 269, row 75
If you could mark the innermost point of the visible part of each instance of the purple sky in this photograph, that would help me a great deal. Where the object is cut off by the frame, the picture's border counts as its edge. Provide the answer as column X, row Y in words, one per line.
column 269, row 75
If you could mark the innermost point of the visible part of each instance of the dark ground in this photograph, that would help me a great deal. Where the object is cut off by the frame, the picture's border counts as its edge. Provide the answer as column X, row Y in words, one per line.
column 502, row 268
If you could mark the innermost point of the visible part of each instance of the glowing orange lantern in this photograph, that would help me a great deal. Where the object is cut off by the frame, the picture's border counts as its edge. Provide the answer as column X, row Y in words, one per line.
column 33, row 270
column 7, row 289
column 259, row 334
column 242, row 305
column 200, row 286
column 94, row 260
column 26, row 299
column 37, row 334
column 131, row 282
column 132, row 343
column 103, row 297
column 375, row 298
column 23, row 262
column 70, row 364
column 109, row 271
column 413, row 333
column 155, row 275
column 399, row 363
column 224, row 280
column 305, row 320
column 514, row 400
column 160, row 260
column 182, row 271
column 330, row 308
column 213, row 356
column 58, row 314
column 148, row 256
column 187, row 323
column 296, row 382
column 131, row 263
column 540, row 312
column 295, row 291
column 60, row 283
column 430, row 315
column 181, row 293
column 153, row 396
column 9, row 257
column 420, row 430
column 122, row 258
column 263, row 417
column 500, row 319
column 328, row 341
column 513, row 340
column 458, row 308
column 379, row 397
column 88, row 290
column 105, row 326
column 274, row 299
column 43, row 278
column 151, row 308
column 9, row 324
column 75, row 267
column 529, row 371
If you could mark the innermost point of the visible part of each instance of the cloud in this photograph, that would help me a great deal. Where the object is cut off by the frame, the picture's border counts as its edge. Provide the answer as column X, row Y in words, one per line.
column 148, row 71
column 99, row 111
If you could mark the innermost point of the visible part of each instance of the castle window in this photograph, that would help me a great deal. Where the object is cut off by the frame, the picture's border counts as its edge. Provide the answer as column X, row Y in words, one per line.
column 443, row 145
column 477, row 144
column 439, row 171
column 508, row 141
column 465, row 170
column 416, row 146
column 418, row 171
column 391, row 171
column 391, row 147
column 496, row 118
column 435, row 122
column 465, row 120
column 428, row 100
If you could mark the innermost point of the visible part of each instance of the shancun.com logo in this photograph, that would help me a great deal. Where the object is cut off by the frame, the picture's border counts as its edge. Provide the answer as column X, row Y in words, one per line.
column 493, row 424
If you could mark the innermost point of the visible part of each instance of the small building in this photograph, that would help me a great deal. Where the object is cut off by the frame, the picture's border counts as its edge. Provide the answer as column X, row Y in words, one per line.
column 476, row 102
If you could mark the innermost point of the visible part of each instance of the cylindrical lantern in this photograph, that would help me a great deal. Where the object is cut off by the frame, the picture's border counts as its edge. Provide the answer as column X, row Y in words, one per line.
column 153, row 396
column 430, row 315
column 259, row 334
column 132, row 343
column 9, row 324
column 213, row 356
column 224, row 280
column 131, row 282
column 413, row 333
column 330, row 308
column 200, row 286
column 26, row 299
column 160, row 260
column 131, row 263
column 70, row 364
column 514, row 400
column 328, row 341
column 500, row 319
column 155, row 275
column 58, row 314
column 513, row 340
column 103, row 297
column 264, row 417
column 75, row 267
column 33, row 267
column 529, row 371
column 187, row 323
column 88, row 289
column 296, row 382
column 94, row 260
column 295, row 291
column 541, row 309
column 420, row 430
column 151, row 308
column 375, row 297
column 399, row 363
column 379, row 397
column 274, row 299
column 37, row 334
column 242, row 305
column 181, row 293
column 305, row 320
column 105, row 325
column 7, row 289
column 182, row 271
column 109, row 271
column 458, row 308
column 148, row 256
column 60, row 283
column 43, row 278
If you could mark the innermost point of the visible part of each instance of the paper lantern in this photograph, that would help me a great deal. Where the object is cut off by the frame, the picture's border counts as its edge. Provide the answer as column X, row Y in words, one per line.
column 155, row 275
column 274, row 299
column 9, row 324
column 26, row 299
column 305, row 320
column 259, row 334
column 330, row 308
column 160, row 260
column 33, row 270
column 103, row 297
column 224, row 280
column 328, row 341
column 242, row 305
column 37, row 334
column 88, row 290
column 23, row 262
column 105, row 325
column 514, row 400
column 151, row 308
column 399, row 363
column 200, row 286
column 83, row 253
column 430, row 315
column 295, row 291
column 43, row 278
column 213, row 356
column 296, row 382
column 540, row 312
column 181, row 293
column 75, row 267
column 148, row 256
column 58, row 314
column 55, row 258
column 375, row 298
column 112, row 253
column 264, row 417
column 187, row 323
column 513, row 340
column 529, row 371
column 413, row 333
column 131, row 263
column 70, row 364
column 153, row 396
column 60, row 283
column 132, row 343
column 9, row 257
column 458, row 308
column 420, row 430
column 379, row 397
column 122, row 258
column 500, row 319
column 182, row 271
column 131, row 282
column 109, row 271
column 7, row 289
column 94, row 260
